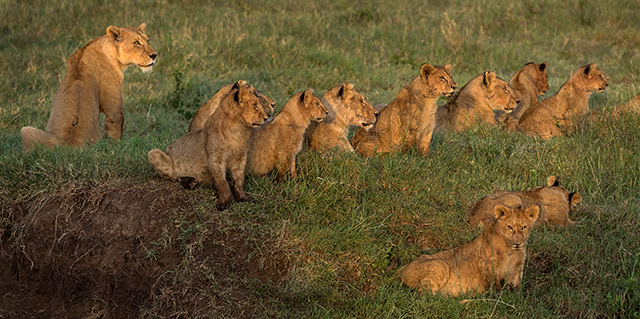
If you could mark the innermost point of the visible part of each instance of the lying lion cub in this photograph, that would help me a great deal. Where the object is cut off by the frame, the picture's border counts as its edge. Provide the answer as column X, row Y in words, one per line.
column 346, row 108
column 93, row 84
column 633, row 105
column 497, row 254
column 408, row 121
column 276, row 144
column 546, row 117
column 476, row 103
column 219, row 148
column 554, row 200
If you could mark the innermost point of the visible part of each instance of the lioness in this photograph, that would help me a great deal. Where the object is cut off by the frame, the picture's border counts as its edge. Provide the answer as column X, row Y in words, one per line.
column 554, row 200
column 346, row 108
column 219, row 148
column 93, row 84
column 528, row 83
column 476, row 102
column 497, row 254
column 632, row 105
column 276, row 144
column 206, row 110
column 545, row 118
column 408, row 121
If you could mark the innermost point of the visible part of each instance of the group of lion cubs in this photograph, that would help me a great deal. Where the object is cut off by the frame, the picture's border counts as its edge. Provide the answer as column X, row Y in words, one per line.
column 231, row 132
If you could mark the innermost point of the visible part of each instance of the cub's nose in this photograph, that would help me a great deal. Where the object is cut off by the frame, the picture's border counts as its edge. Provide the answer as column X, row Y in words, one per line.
column 153, row 56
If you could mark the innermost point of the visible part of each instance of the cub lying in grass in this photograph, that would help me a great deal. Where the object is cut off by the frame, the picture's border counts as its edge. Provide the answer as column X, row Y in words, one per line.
column 276, row 144
column 554, row 200
column 497, row 254
column 221, row 147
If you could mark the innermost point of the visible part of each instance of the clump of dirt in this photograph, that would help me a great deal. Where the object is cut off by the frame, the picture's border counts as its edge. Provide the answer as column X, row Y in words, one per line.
column 124, row 250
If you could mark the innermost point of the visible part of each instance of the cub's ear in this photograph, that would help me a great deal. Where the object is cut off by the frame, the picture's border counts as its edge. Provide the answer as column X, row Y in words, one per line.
column 575, row 198
column 590, row 68
column 242, row 93
column 114, row 33
column 552, row 181
column 427, row 69
column 448, row 67
column 532, row 213
column 346, row 89
column 500, row 211
column 489, row 77
column 142, row 26
column 305, row 97
column 542, row 66
column 238, row 84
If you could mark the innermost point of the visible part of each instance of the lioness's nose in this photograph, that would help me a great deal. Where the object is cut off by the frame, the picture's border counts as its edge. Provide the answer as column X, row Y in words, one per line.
column 153, row 56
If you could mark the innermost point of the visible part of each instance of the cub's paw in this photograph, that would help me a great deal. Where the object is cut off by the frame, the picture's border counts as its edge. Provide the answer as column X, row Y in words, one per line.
column 223, row 205
column 188, row 182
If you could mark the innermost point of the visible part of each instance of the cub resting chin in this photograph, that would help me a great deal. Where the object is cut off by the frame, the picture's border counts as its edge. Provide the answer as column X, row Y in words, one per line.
column 93, row 84
column 497, row 254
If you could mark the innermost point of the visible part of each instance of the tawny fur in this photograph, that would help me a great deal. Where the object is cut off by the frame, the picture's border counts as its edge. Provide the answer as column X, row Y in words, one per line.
column 529, row 82
column 497, row 254
column 632, row 105
column 476, row 103
column 93, row 84
column 277, row 143
column 346, row 108
column 408, row 121
column 555, row 203
column 206, row 110
column 220, row 148
column 547, row 117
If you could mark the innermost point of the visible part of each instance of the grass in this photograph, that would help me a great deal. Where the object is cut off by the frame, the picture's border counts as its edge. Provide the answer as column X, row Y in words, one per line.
column 350, row 222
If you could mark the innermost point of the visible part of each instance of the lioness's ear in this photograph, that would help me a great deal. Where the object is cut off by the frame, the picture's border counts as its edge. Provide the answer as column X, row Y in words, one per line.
column 489, row 77
column 114, row 33
column 542, row 66
column 448, row 67
column 427, row 69
column 532, row 212
column 575, row 198
column 500, row 210
column 345, row 90
column 142, row 26
column 552, row 181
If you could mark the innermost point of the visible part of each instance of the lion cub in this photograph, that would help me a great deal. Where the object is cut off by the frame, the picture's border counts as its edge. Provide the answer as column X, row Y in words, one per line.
column 528, row 83
column 554, row 200
column 545, row 118
column 497, row 254
column 346, row 108
column 633, row 105
column 221, row 147
column 93, row 84
column 408, row 121
column 476, row 102
column 277, row 143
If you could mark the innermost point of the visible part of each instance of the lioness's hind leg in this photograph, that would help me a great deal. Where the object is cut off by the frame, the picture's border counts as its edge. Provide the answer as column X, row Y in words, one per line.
column 162, row 163
column 32, row 136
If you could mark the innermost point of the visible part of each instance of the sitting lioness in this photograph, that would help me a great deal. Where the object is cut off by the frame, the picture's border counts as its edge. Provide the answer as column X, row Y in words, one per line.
column 476, row 102
column 554, row 200
column 408, row 121
column 545, row 118
column 276, row 144
column 346, row 108
column 528, row 83
column 221, row 147
column 93, row 84
column 497, row 254
column 206, row 110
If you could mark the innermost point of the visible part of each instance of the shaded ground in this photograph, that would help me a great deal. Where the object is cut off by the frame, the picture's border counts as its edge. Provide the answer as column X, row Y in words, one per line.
column 124, row 251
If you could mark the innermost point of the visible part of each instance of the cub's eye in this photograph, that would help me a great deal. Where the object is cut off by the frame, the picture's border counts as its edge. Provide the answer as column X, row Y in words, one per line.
column 255, row 106
column 442, row 79
column 510, row 228
column 137, row 43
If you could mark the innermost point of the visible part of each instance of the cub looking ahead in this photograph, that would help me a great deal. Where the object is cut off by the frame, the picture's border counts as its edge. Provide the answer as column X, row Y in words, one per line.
column 93, row 84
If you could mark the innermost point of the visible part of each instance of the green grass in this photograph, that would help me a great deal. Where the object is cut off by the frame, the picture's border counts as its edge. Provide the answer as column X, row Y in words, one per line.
column 350, row 222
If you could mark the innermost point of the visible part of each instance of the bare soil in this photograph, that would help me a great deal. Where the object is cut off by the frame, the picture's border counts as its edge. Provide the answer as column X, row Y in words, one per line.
column 122, row 250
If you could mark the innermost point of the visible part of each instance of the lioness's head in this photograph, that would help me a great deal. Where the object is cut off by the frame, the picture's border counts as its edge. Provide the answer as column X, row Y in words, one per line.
column 311, row 105
column 514, row 225
column 358, row 110
column 251, row 111
column 132, row 47
column 590, row 78
column 538, row 72
column 437, row 80
column 498, row 93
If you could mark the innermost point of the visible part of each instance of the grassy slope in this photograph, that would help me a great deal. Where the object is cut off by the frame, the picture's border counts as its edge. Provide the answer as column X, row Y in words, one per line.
column 350, row 222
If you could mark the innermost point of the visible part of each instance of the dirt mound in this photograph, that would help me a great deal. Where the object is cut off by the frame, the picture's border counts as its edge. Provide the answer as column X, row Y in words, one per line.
column 122, row 250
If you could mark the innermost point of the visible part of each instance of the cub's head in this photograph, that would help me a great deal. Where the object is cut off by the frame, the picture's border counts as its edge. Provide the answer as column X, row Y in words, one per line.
column 538, row 72
column 267, row 103
column 251, row 111
column 558, row 200
column 132, row 47
column 498, row 93
column 437, row 80
column 590, row 78
column 358, row 111
column 514, row 225
column 311, row 106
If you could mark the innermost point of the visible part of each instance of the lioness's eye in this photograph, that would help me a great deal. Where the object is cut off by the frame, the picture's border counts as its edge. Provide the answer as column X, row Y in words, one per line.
column 137, row 43
column 442, row 79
